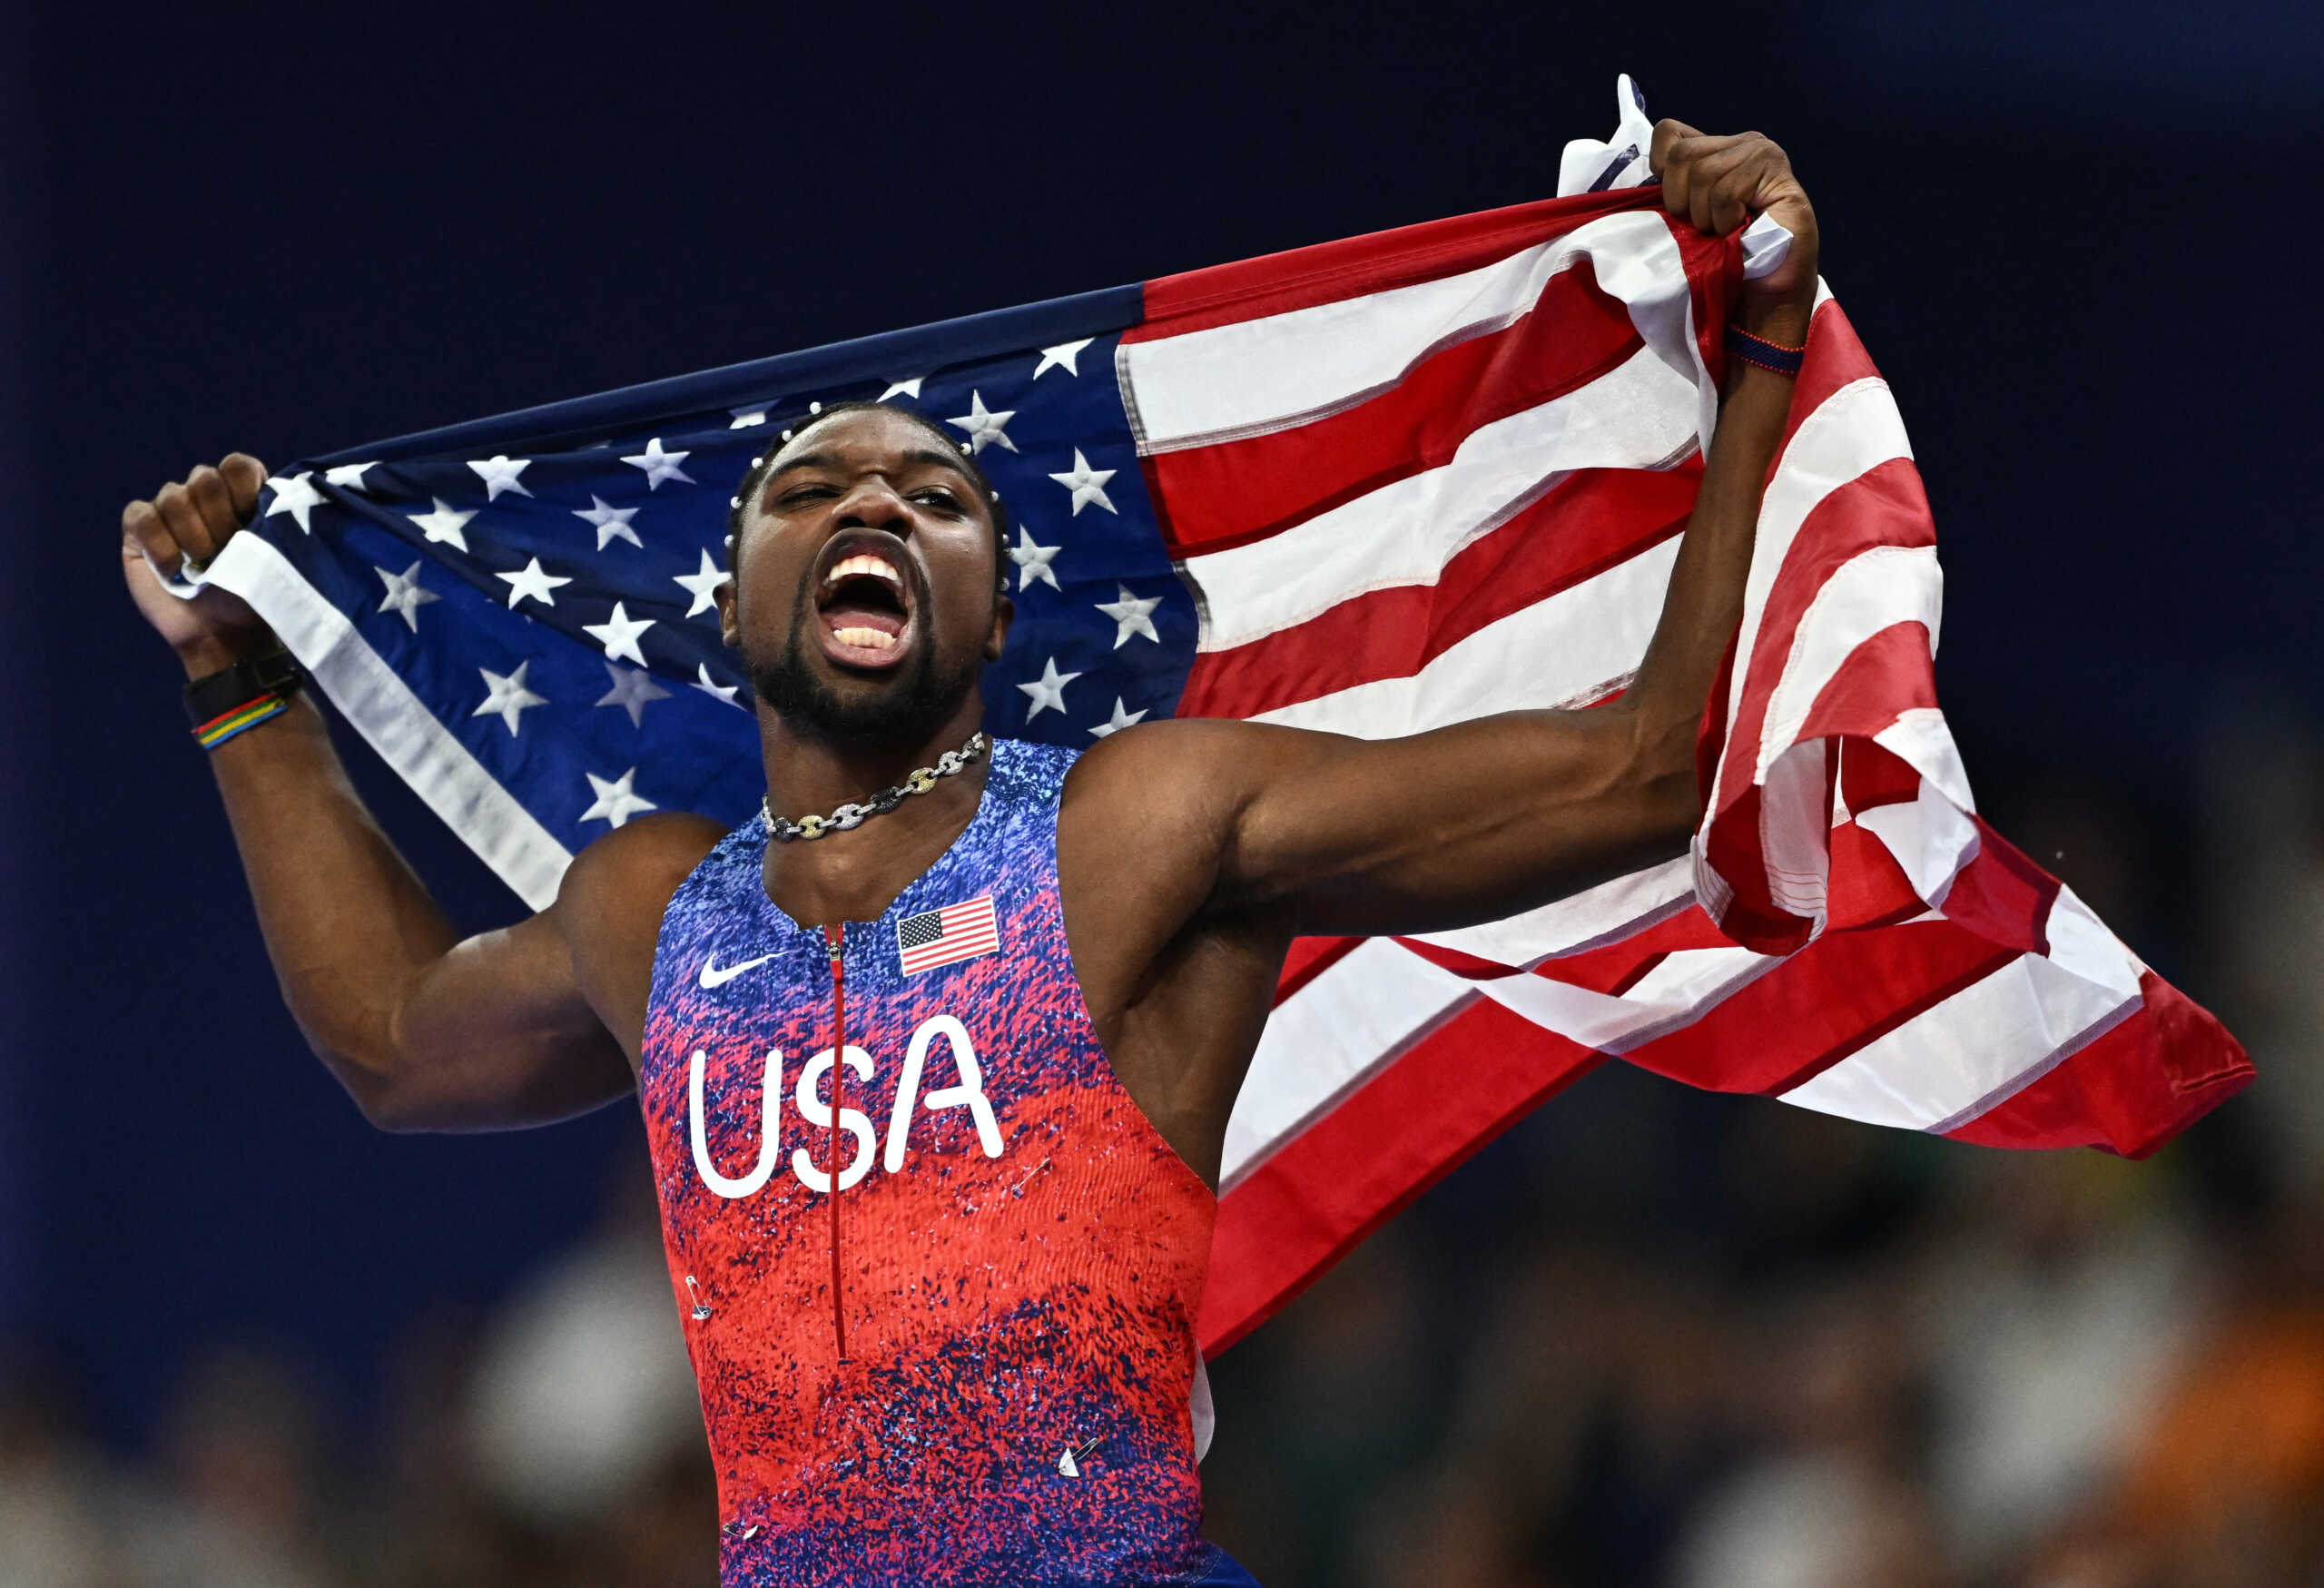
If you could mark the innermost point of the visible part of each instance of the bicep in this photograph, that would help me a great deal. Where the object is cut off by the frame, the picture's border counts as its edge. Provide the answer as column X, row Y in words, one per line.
column 1449, row 828
column 498, row 1034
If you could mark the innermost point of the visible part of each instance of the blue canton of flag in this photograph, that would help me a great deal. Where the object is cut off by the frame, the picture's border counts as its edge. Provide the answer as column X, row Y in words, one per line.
column 517, row 612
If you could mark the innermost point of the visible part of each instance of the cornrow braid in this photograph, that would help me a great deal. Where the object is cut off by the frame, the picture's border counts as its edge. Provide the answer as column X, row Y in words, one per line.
column 754, row 478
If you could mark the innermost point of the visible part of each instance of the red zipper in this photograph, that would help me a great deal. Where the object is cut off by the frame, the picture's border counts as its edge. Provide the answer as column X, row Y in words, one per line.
column 836, row 940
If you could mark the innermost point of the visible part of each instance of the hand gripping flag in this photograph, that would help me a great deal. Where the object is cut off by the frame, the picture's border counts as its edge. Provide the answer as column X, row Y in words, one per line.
column 1371, row 487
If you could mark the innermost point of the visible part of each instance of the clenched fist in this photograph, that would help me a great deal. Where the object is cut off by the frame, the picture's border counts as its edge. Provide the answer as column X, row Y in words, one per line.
column 1719, row 183
column 191, row 521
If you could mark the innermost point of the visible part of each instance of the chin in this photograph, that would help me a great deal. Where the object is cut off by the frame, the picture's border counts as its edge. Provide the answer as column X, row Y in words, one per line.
column 893, row 712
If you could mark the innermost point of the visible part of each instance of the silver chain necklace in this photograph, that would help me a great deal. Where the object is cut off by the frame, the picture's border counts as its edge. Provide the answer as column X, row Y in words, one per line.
column 783, row 830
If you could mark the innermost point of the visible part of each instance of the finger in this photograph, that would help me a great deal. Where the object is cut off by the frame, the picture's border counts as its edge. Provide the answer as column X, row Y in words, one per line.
column 1667, row 132
column 142, row 531
column 244, row 474
column 182, row 521
column 213, row 501
column 1708, row 175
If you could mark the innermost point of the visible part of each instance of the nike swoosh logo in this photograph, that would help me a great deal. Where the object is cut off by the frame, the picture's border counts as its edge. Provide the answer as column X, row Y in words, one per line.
column 712, row 976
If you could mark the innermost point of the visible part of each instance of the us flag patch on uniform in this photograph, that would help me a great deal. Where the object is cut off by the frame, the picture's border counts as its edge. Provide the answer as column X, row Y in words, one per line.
column 943, row 937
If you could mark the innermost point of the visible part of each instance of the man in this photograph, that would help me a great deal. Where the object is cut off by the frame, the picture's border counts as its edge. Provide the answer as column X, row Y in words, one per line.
column 1001, row 997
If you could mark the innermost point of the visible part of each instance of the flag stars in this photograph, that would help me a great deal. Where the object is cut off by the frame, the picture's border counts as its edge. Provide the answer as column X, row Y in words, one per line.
column 405, row 595
column 1032, row 559
column 534, row 580
column 904, row 388
column 745, row 418
column 297, row 497
column 702, row 586
column 1131, row 614
column 659, row 465
column 617, row 798
column 445, row 524
column 612, row 522
column 631, row 690
column 1122, row 718
column 1048, row 691
column 348, row 475
column 709, row 685
column 984, row 425
column 1062, row 357
column 499, row 474
column 1086, row 484
column 505, row 695
column 620, row 634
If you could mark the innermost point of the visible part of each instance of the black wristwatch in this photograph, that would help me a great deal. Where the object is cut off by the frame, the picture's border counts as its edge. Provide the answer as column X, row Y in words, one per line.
column 277, row 673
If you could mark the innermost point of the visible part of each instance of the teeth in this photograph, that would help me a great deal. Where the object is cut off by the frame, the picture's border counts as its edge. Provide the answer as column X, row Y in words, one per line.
column 863, row 563
column 871, row 639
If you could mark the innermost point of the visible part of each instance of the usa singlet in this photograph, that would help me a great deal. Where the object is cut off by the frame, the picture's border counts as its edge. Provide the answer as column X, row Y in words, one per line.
column 971, row 1363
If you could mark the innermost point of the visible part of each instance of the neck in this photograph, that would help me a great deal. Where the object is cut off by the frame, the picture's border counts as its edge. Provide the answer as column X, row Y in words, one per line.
column 856, row 875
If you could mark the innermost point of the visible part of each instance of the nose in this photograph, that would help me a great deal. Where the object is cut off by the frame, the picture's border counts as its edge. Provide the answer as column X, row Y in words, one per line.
column 871, row 503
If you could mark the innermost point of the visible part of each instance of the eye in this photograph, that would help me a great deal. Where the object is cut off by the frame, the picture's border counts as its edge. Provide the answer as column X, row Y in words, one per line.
column 805, row 493
column 937, row 496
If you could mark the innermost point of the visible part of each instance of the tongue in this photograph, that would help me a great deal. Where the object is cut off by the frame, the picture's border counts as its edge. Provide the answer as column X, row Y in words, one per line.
column 846, row 616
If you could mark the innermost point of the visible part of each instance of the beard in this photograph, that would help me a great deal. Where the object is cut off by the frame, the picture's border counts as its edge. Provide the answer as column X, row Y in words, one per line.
column 905, row 713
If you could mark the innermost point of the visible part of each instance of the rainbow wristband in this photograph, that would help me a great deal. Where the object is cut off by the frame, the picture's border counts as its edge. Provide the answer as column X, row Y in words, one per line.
column 1767, row 355
column 241, row 720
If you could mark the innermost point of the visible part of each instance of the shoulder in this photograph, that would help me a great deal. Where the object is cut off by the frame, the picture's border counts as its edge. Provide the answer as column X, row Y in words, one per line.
column 628, row 875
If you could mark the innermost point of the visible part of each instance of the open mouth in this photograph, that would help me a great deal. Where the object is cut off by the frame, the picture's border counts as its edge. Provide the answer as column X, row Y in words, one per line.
column 864, row 605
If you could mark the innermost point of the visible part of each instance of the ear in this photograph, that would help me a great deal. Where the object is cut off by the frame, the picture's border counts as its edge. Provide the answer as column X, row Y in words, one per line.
column 730, row 625
column 997, row 637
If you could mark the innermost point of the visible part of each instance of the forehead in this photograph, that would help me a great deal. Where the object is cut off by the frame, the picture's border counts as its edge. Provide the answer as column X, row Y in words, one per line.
column 864, row 438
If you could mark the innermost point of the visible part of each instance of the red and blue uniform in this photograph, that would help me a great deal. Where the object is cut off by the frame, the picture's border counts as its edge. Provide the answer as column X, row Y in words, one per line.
column 973, row 1361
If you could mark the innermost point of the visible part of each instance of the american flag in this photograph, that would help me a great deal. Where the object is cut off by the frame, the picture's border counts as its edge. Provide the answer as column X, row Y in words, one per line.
column 947, row 936
column 1370, row 487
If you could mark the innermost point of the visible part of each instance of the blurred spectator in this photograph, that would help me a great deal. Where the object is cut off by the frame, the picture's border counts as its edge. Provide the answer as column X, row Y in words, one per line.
column 53, row 1528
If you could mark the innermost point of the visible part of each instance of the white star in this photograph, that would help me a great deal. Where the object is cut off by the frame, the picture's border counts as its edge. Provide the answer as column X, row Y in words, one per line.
column 703, row 682
column 617, row 802
column 632, row 689
column 745, row 418
column 700, row 584
column 534, row 580
column 296, row 495
column 620, row 634
column 1086, row 484
column 659, row 465
column 1062, row 357
column 508, row 697
column 1122, row 719
column 1032, row 559
column 444, row 524
column 1049, row 690
column 405, row 595
column 499, row 474
column 909, row 387
column 612, row 522
column 1131, row 614
column 350, row 475
column 983, row 426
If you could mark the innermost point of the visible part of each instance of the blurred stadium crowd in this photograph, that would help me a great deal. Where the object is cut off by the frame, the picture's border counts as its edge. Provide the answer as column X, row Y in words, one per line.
column 1650, row 1337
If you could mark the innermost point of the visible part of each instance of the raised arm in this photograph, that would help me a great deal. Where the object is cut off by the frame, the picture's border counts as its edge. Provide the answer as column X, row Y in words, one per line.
column 424, row 1031
column 1321, row 833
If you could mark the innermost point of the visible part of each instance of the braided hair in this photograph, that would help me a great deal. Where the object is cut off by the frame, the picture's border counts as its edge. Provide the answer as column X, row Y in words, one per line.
column 763, row 464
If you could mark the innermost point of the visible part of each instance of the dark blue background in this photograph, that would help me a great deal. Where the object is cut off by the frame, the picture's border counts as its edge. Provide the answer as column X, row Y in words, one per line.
column 2079, row 240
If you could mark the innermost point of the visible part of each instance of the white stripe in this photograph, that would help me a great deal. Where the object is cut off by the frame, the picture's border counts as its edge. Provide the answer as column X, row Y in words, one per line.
column 1851, row 433
column 1256, row 376
column 1877, row 589
column 1928, row 837
column 1919, row 738
column 1606, row 913
column 1559, row 652
column 1675, row 993
column 394, row 721
column 1330, row 1036
column 1984, row 1042
column 1637, row 415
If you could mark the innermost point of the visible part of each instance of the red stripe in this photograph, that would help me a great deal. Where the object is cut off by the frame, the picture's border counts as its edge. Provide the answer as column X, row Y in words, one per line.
column 1230, row 493
column 1890, row 672
column 1309, row 958
column 1302, row 278
column 1592, row 521
column 2129, row 1091
column 1358, row 1165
